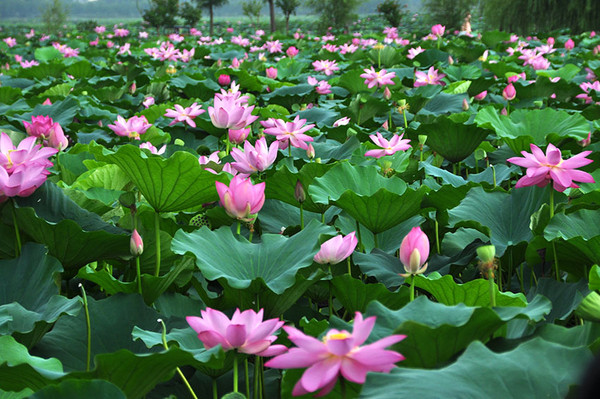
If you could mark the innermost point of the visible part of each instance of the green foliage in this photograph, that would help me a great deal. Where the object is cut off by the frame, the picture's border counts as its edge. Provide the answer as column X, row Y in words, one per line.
column 87, row 26
column 251, row 9
column 450, row 13
column 190, row 13
column 391, row 11
column 54, row 15
column 335, row 13
column 162, row 13
column 287, row 7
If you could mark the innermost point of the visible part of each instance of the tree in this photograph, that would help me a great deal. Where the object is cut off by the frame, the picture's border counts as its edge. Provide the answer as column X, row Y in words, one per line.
column 252, row 8
column 288, row 7
column 54, row 16
column 190, row 13
column 391, row 11
column 336, row 13
column 450, row 13
column 210, row 4
column 162, row 13
column 272, row 15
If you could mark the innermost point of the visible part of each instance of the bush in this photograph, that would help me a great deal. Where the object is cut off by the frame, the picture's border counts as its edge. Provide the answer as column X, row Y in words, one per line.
column 87, row 26
column 335, row 13
column 190, row 13
column 54, row 16
column 162, row 13
column 391, row 11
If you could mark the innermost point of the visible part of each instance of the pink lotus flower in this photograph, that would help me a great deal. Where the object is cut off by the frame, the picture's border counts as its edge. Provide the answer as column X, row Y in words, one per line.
column 326, row 66
column 27, row 153
column 242, row 200
column 229, row 113
column 132, row 127
column 185, row 114
column 438, row 30
column 271, row 73
column 224, row 80
column 136, row 245
column 273, row 47
column 413, row 52
column 341, row 122
column 148, row 101
column 481, row 95
column 339, row 353
column 213, row 157
column 323, row 87
column 254, row 159
column 414, row 251
column 569, row 44
column 100, row 29
column 39, row 127
column 246, row 331
column 22, row 182
column 388, row 147
column 543, row 168
column 378, row 79
column 289, row 132
column 509, row 93
column 238, row 136
column 10, row 41
column 148, row 145
column 292, row 51
column 336, row 249
column 432, row 77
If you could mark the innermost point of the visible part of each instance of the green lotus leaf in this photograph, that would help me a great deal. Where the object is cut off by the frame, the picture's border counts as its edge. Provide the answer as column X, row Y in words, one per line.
column 76, row 389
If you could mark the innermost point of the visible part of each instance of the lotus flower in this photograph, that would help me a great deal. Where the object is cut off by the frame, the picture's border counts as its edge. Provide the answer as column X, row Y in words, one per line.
column 509, row 93
column 543, row 168
column 414, row 252
column 289, row 132
column 238, row 136
column 336, row 249
column 148, row 145
column 133, row 127
column 413, row 52
column 229, row 113
column 254, row 159
column 185, row 114
column 377, row 79
column 26, row 154
column 246, row 331
column 242, row 200
column 271, row 73
column 136, row 244
column 438, row 30
column 388, row 147
column 339, row 353
column 569, row 44
column 326, row 66
column 292, row 51
column 432, row 77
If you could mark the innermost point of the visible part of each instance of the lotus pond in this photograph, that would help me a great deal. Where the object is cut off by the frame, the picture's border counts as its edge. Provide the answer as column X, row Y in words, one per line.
column 357, row 215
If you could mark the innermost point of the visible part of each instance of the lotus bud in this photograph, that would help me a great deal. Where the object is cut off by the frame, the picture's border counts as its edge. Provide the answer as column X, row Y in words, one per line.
column 550, row 41
column 587, row 141
column 465, row 104
column 132, row 88
column 224, row 80
column 299, row 192
column 481, row 95
column 136, row 245
column 509, row 93
column 450, row 60
column 271, row 73
column 414, row 252
column 387, row 94
column 310, row 151
column 570, row 44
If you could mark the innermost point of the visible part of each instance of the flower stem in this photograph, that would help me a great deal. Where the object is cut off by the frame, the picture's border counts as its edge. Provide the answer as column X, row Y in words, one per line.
column 247, row 379
column 349, row 267
column 214, row 389
column 360, row 243
column 405, row 122
column 375, row 241
column 492, row 291
column 556, row 268
column 437, row 237
column 493, row 174
column 16, row 225
column 551, row 203
column 289, row 150
column 343, row 387
column 157, row 238
column 139, row 274
column 88, row 328
column 412, row 287
column 235, row 373
column 255, row 376
column 239, row 228
column 185, row 381
column 301, row 217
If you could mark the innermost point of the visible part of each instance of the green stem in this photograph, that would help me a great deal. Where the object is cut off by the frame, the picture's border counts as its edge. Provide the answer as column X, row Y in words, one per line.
column 247, row 379
column 390, row 121
column 255, row 376
column 492, row 291
column 500, row 276
column 349, row 268
column 157, row 238
column 228, row 145
column 289, row 150
column 16, row 225
column 88, row 328
column 235, row 373
column 412, row 287
column 378, row 59
column 185, row 381
column 493, row 174
column 360, row 243
column 556, row 268
column 239, row 228
column 375, row 241
column 343, row 387
column 405, row 122
column 323, row 218
column 301, row 217
column 551, row 203
column 214, row 389
column 139, row 274
column 437, row 237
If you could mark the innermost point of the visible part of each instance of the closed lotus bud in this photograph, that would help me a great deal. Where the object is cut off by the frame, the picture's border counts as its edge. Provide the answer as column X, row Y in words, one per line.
column 387, row 94
column 299, row 192
column 481, row 95
column 136, row 245
column 271, row 73
column 132, row 88
column 450, row 60
column 569, row 44
column 414, row 252
column 465, row 104
column 509, row 93
column 587, row 141
column 310, row 151
column 224, row 80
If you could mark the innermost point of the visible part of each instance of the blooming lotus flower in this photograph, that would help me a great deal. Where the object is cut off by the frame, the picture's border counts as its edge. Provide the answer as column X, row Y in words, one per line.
column 254, row 159
column 229, row 113
column 413, row 52
column 414, row 251
column 213, row 157
column 328, row 67
column 148, row 101
column 432, row 77
column 242, row 200
column 341, row 122
column 10, row 41
column 148, row 145
column 39, row 127
column 438, row 30
column 543, row 168
column 509, row 93
column 27, row 153
column 238, row 136
column 336, row 249
column 185, row 114
column 289, row 132
column 339, row 353
column 292, row 51
column 271, row 73
column 388, row 147
column 22, row 182
column 132, row 127
column 246, row 331
column 377, row 79
column 323, row 87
